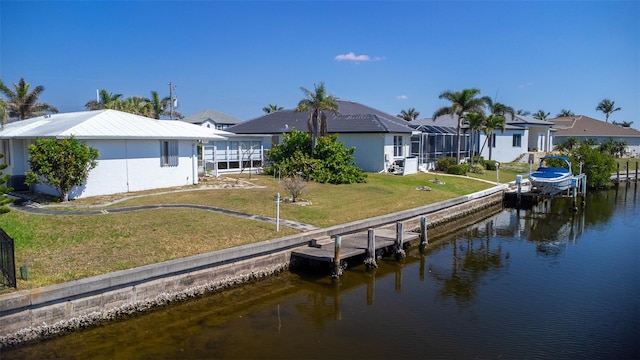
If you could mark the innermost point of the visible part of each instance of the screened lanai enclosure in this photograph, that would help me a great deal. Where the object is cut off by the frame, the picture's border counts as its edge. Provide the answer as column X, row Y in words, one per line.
column 435, row 142
column 231, row 156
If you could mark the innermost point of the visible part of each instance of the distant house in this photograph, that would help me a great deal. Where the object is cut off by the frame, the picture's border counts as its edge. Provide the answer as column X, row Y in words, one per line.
column 438, row 139
column 583, row 127
column 136, row 152
column 212, row 119
column 379, row 139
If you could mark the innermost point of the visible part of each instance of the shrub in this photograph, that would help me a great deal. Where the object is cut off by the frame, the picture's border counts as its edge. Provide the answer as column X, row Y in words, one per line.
column 478, row 160
column 461, row 169
column 477, row 169
column 490, row 165
column 444, row 163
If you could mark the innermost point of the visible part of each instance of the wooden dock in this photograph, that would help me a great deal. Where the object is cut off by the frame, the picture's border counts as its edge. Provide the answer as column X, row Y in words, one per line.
column 352, row 245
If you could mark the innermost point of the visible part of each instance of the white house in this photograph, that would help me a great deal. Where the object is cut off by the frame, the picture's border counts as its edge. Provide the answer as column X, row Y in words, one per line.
column 379, row 139
column 583, row 128
column 136, row 152
column 212, row 119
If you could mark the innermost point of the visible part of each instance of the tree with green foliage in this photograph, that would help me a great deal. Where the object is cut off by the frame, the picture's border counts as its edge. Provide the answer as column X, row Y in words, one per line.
column 475, row 122
column 523, row 112
column 4, row 190
column 271, row 108
column 565, row 113
column 329, row 162
column 541, row 115
column 491, row 123
column 22, row 103
column 60, row 163
column 409, row 115
column 317, row 102
column 616, row 148
column 462, row 102
column 597, row 165
column 106, row 100
column 607, row 107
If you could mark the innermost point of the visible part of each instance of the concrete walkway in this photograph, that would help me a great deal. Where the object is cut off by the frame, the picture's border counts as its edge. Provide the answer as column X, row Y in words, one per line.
column 36, row 208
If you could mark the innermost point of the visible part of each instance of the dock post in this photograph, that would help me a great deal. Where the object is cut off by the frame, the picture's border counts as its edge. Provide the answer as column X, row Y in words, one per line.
column 337, row 270
column 636, row 171
column 400, row 254
column 423, row 232
column 574, row 191
column 519, row 183
column 370, row 261
column 618, row 175
column 627, row 172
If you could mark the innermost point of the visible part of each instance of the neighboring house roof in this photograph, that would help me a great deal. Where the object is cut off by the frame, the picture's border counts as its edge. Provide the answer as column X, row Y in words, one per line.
column 106, row 124
column 583, row 126
column 353, row 118
column 211, row 115
column 451, row 122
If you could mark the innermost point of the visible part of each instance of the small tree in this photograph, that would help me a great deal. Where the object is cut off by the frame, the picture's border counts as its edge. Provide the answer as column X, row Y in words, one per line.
column 294, row 185
column 4, row 199
column 61, row 163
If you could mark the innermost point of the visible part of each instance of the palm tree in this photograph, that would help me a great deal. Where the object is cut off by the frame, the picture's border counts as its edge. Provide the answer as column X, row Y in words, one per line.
column 541, row 115
column 106, row 100
column 523, row 112
column 317, row 102
column 565, row 113
column 462, row 102
column 607, row 107
column 625, row 124
column 491, row 123
column 23, row 103
column 475, row 123
column 271, row 108
column 137, row 105
column 409, row 115
column 497, row 108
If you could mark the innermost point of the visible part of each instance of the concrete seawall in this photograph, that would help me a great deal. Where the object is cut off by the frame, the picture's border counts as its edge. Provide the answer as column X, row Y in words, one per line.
column 31, row 314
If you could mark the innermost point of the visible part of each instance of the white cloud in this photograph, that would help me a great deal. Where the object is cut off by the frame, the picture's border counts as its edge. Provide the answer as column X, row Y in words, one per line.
column 402, row 97
column 353, row 57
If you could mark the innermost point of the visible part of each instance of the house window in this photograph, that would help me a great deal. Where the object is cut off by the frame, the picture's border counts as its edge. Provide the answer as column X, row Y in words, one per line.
column 397, row 146
column 169, row 153
column 517, row 140
column 6, row 151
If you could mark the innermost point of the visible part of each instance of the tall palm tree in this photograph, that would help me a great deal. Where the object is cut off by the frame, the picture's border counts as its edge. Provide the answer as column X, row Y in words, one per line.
column 106, row 100
column 23, row 103
column 317, row 102
column 137, row 105
column 475, row 123
column 607, row 107
column 523, row 112
column 271, row 108
column 541, row 115
column 462, row 102
column 491, row 123
column 409, row 115
column 497, row 108
column 565, row 113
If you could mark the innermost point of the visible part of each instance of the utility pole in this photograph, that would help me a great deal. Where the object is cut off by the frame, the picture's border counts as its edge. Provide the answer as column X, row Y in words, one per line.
column 170, row 100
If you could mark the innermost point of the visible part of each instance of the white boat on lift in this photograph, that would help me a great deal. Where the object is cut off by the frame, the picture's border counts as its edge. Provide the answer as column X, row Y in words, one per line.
column 552, row 180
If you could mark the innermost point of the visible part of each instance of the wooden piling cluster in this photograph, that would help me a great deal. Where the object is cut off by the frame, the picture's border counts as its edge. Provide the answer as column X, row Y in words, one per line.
column 349, row 246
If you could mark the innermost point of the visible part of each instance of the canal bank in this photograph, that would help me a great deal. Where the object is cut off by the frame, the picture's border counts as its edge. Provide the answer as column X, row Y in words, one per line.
column 33, row 314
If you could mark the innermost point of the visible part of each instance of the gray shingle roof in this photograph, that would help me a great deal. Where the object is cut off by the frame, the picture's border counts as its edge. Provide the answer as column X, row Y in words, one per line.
column 353, row 118
column 217, row 117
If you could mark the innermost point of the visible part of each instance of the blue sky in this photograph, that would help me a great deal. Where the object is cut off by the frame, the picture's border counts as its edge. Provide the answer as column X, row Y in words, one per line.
column 238, row 56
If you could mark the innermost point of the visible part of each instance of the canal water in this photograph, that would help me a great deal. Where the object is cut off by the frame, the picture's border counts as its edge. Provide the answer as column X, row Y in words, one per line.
column 546, row 283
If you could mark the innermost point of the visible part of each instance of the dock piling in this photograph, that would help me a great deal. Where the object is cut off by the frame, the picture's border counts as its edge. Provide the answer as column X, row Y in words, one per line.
column 423, row 232
column 399, row 250
column 337, row 269
column 370, row 260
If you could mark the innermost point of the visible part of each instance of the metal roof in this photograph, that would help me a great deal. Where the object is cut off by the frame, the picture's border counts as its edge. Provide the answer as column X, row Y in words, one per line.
column 106, row 124
column 353, row 118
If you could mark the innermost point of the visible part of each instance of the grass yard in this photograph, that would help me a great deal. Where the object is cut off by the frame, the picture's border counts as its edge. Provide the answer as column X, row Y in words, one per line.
column 64, row 248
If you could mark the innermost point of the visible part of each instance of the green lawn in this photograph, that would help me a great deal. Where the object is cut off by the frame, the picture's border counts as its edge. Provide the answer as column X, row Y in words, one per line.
column 63, row 248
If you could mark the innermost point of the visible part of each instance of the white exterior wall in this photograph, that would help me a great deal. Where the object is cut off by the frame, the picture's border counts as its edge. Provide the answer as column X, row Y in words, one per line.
column 504, row 151
column 134, row 165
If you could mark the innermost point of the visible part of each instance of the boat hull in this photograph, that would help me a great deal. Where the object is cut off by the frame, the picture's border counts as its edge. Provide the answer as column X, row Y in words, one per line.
column 550, row 183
